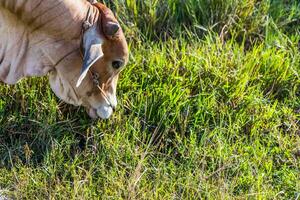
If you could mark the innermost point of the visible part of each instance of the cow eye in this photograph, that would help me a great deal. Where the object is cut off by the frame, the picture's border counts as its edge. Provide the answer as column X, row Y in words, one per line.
column 117, row 64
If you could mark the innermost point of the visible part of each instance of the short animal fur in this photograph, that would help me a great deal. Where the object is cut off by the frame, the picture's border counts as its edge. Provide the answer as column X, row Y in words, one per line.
column 80, row 46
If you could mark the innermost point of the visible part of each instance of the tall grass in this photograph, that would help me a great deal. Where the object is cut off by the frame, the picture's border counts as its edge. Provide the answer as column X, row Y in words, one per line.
column 206, row 120
column 173, row 18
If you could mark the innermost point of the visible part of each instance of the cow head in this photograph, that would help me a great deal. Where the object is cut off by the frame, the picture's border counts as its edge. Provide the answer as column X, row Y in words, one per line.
column 91, row 80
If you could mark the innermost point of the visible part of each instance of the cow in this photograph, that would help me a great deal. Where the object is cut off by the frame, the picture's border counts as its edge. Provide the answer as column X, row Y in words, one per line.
column 79, row 44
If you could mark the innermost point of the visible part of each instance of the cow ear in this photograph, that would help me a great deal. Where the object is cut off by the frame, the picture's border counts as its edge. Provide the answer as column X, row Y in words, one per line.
column 109, row 23
column 92, row 45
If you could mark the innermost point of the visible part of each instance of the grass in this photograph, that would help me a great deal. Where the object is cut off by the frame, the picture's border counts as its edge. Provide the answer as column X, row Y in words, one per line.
column 202, row 115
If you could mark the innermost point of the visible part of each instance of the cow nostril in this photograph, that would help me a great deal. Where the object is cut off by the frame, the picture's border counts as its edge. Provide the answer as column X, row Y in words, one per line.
column 117, row 64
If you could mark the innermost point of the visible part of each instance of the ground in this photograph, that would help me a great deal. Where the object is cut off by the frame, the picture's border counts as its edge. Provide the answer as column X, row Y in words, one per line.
column 212, row 116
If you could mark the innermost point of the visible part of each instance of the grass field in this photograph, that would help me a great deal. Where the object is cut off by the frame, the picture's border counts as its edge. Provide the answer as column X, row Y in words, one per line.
column 209, row 108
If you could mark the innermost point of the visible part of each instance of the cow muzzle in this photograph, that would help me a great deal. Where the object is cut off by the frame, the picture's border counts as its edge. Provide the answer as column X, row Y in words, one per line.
column 104, row 112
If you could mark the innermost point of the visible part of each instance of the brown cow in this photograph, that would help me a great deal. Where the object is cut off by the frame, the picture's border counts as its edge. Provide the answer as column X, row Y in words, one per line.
column 80, row 45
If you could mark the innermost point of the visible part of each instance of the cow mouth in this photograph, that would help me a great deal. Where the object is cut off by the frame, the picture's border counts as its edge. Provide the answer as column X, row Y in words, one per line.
column 103, row 112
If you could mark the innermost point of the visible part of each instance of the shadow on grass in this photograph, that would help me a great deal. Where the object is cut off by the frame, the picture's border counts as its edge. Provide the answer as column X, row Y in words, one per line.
column 27, row 139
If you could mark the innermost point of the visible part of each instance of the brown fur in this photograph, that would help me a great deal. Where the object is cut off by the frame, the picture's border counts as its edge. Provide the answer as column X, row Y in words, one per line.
column 43, row 36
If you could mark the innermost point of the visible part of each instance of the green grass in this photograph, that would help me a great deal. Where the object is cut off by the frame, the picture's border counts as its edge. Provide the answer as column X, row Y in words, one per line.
column 156, row 19
column 200, row 115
